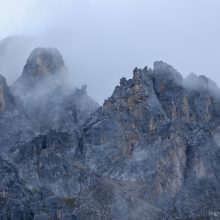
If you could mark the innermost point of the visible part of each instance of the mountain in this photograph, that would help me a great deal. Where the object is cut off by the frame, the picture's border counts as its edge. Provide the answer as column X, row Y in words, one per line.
column 46, row 95
column 150, row 152
column 14, row 123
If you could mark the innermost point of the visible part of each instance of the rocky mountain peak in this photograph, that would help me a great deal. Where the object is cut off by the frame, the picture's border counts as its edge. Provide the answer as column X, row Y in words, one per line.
column 166, row 77
column 150, row 152
column 45, row 68
column 162, row 94
column 148, row 83
column 47, row 97
column 200, row 83
column 44, row 61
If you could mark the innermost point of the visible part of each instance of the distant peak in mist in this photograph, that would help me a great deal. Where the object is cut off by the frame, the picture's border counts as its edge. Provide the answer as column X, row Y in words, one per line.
column 201, row 83
column 44, row 70
column 44, row 61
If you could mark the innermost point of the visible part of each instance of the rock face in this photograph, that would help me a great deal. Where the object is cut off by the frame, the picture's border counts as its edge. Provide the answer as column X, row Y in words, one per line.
column 43, row 71
column 14, row 196
column 14, row 123
column 150, row 152
column 7, row 100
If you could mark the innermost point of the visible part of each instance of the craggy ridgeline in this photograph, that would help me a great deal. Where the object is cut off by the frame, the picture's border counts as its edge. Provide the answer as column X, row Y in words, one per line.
column 150, row 152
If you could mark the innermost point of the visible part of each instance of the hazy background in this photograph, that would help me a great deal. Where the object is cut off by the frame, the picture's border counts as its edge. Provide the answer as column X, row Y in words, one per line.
column 103, row 40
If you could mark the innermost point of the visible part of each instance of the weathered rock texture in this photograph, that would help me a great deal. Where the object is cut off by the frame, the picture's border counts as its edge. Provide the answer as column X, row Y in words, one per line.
column 150, row 152
column 14, row 123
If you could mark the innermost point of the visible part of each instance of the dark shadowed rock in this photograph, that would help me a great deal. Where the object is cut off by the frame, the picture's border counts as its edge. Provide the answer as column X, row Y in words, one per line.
column 14, row 196
column 14, row 123
column 41, row 216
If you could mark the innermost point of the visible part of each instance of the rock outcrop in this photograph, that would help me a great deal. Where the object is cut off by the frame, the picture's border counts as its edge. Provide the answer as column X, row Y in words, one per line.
column 14, row 123
column 150, row 152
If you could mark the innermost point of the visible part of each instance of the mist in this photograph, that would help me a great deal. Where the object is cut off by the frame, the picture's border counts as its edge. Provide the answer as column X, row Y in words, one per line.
column 102, row 41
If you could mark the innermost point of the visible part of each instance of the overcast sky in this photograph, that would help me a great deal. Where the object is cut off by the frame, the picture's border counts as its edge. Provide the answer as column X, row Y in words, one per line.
column 103, row 40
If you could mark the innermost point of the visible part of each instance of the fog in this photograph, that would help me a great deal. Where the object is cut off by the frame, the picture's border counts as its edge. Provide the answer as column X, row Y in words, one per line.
column 102, row 41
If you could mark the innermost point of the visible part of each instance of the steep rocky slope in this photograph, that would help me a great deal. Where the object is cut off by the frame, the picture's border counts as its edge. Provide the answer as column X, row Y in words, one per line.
column 14, row 123
column 150, row 152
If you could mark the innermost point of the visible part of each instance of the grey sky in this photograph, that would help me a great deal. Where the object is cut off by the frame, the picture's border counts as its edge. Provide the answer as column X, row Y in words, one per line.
column 103, row 40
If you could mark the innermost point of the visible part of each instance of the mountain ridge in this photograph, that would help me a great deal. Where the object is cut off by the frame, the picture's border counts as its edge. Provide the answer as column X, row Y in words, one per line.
column 151, row 151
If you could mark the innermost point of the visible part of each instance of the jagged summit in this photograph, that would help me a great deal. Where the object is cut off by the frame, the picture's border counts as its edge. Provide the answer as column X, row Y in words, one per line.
column 43, row 72
column 162, row 94
column 167, row 78
column 47, row 97
column 164, row 75
column 150, row 152
column 44, row 61
column 201, row 83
